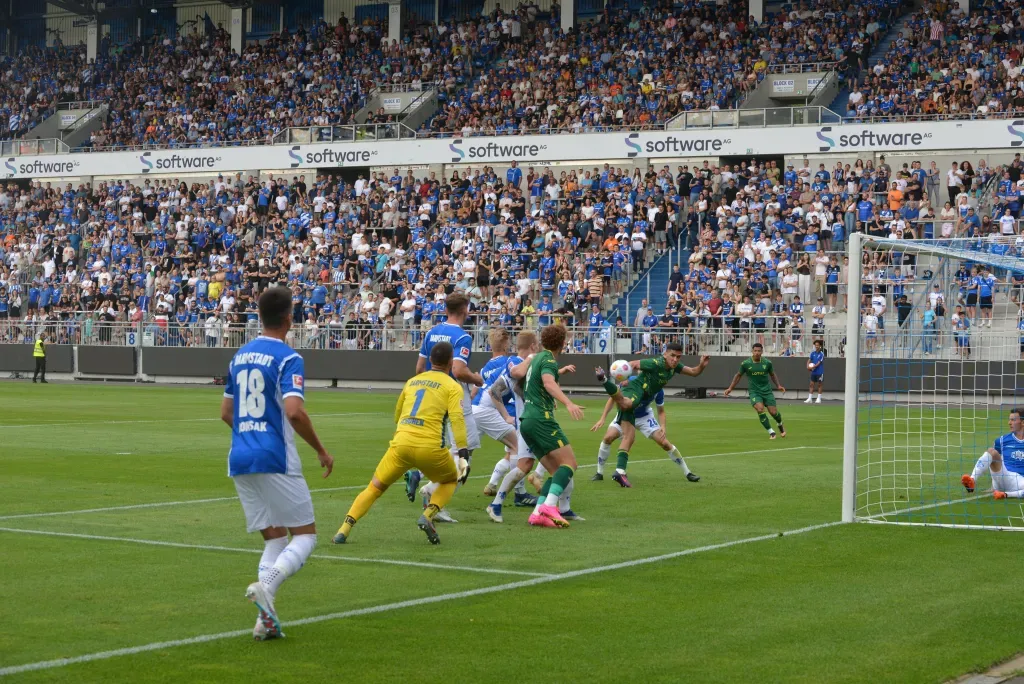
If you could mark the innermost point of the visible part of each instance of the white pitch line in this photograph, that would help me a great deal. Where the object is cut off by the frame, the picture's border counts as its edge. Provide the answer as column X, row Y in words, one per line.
column 162, row 504
column 210, row 547
column 86, row 423
column 411, row 603
column 926, row 506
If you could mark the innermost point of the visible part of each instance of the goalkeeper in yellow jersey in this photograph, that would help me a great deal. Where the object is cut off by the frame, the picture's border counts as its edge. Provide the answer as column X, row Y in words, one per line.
column 429, row 407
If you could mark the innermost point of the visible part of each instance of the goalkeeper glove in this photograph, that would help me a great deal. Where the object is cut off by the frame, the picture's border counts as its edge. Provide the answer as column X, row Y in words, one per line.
column 463, row 466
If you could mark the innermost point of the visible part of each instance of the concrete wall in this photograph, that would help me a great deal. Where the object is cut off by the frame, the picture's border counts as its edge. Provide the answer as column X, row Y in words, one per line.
column 18, row 357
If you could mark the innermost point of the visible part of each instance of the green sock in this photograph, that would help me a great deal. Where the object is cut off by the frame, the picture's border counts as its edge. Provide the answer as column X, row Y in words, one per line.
column 621, row 459
column 763, row 417
column 559, row 481
column 610, row 387
column 778, row 417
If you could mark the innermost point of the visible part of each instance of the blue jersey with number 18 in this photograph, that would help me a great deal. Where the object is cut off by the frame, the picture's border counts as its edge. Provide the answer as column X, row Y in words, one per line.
column 260, row 377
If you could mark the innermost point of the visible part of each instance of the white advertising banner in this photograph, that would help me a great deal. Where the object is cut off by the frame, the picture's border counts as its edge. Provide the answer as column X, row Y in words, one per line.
column 533, row 150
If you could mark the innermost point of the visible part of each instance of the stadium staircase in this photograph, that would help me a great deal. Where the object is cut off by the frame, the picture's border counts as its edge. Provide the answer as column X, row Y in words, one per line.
column 655, row 278
column 840, row 103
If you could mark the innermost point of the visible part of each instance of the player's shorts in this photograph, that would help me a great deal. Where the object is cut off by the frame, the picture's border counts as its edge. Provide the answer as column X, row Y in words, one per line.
column 489, row 422
column 542, row 434
column 274, row 500
column 436, row 463
column 646, row 424
column 1007, row 480
column 472, row 434
column 817, row 378
column 985, row 302
column 766, row 398
column 831, row 289
column 523, row 450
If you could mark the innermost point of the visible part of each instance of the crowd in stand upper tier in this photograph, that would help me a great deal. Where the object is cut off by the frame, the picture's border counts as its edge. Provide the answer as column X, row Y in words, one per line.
column 501, row 73
column 377, row 256
column 949, row 63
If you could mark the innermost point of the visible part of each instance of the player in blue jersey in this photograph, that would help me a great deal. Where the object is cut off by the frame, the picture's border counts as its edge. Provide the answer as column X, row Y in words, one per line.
column 457, row 308
column 264, row 404
column 816, row 365
column 1004, row 461
column 652, row 427
column 496, row 418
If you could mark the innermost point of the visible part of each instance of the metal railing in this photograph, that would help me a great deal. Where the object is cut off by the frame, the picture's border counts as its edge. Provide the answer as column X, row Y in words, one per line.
column 81, row 104
column 33, row 148
column 801, row 67
column 345, row 133
column 404, row 87
column 754, row 118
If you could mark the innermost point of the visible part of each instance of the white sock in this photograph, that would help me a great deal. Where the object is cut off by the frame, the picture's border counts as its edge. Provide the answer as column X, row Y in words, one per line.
column 511, row 479
column 678, row 458
column 566, row 497
column 500, row 469
column 982, row 466
column 289, row 562
column 604, row 452
column 541, row 471
column 272, row 548
column 819, row 395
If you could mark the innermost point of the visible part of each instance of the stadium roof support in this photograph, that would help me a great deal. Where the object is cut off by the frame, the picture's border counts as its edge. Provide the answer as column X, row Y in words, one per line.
column 87, row 9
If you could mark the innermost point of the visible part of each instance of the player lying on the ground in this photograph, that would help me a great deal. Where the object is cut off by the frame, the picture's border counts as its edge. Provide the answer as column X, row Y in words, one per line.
column 654, row 374
column 494, row 412
column 264, row 405
column 429, row 402
column 1004, row 461
column 541, row 432
column 527, row 346
column 651, row 427
column 758, row 371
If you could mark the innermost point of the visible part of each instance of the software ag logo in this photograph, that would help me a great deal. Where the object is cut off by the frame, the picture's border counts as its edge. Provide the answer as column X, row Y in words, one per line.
column 455, row 150
column 829, row 142
column 1012, row 128
column 632, row 145
column 147, row 165
column 10, row 166
column 294, row 154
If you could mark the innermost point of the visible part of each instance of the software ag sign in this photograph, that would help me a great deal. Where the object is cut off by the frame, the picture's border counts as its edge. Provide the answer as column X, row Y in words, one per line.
column 830, row 138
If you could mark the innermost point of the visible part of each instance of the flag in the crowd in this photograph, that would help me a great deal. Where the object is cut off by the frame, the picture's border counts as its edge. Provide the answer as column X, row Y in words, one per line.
column 14, row 123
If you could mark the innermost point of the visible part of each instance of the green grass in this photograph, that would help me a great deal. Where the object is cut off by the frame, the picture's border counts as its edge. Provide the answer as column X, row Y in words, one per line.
column 849, row 603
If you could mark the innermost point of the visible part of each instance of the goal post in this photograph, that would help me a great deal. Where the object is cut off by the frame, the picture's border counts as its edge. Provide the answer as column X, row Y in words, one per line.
column 925, row 399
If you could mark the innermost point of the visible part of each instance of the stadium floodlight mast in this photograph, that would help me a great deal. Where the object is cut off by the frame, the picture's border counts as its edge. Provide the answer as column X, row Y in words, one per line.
column 921, row 404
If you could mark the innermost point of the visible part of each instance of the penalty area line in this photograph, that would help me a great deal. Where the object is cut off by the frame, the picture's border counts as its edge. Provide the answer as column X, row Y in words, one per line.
column 399, row 605
column 233, row 549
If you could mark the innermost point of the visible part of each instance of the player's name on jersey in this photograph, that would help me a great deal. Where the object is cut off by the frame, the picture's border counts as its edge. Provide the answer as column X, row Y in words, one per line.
column 252, row 426
column 425, row 383
column 255, row 358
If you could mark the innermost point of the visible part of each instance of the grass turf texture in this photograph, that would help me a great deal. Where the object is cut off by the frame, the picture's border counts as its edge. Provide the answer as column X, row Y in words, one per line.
column 842, row 604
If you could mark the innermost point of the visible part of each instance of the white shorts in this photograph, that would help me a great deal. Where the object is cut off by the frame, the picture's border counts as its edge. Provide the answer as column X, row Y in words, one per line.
column 523, row 451
column 489, row 422
column 274, row 500
column 472, row 436
column 1007, row 481
column 647, row 425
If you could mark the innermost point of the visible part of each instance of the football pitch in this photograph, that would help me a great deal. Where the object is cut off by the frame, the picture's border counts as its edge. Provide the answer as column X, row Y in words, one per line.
column 125, row 558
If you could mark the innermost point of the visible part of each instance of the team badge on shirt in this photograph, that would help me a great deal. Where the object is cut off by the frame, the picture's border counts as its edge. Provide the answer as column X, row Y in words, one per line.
column 464, row 352
column 297, row 381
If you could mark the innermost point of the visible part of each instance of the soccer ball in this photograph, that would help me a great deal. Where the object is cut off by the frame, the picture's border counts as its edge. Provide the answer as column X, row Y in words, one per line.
column 621, row 371
column 810, row 365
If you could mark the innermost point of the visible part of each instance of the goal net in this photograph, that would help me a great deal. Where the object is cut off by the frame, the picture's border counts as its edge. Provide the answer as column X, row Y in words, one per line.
column 933, row 368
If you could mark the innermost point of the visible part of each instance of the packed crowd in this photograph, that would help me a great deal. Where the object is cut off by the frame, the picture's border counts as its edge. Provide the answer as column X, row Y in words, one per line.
column 948, row 63
column 381, row 253
column 497, row 74
column 638, row 69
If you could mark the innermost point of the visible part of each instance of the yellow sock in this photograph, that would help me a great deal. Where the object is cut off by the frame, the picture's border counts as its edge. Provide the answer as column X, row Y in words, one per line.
column 359, row 508
column 439, row 499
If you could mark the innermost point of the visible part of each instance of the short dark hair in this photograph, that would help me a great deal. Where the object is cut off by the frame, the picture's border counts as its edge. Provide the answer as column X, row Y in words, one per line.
column 441, row 354
column 1018, row 410
column 456, row 302
column 275, row 306
column 758, row 345
column 674, row 346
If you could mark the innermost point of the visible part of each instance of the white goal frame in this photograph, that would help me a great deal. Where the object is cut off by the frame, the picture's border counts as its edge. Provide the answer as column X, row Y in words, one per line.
column 953, row 250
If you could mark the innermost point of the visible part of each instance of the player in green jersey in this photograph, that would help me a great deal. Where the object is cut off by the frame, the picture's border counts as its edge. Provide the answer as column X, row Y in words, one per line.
column 758, row 371
column 540, row 430
column 652, row 375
